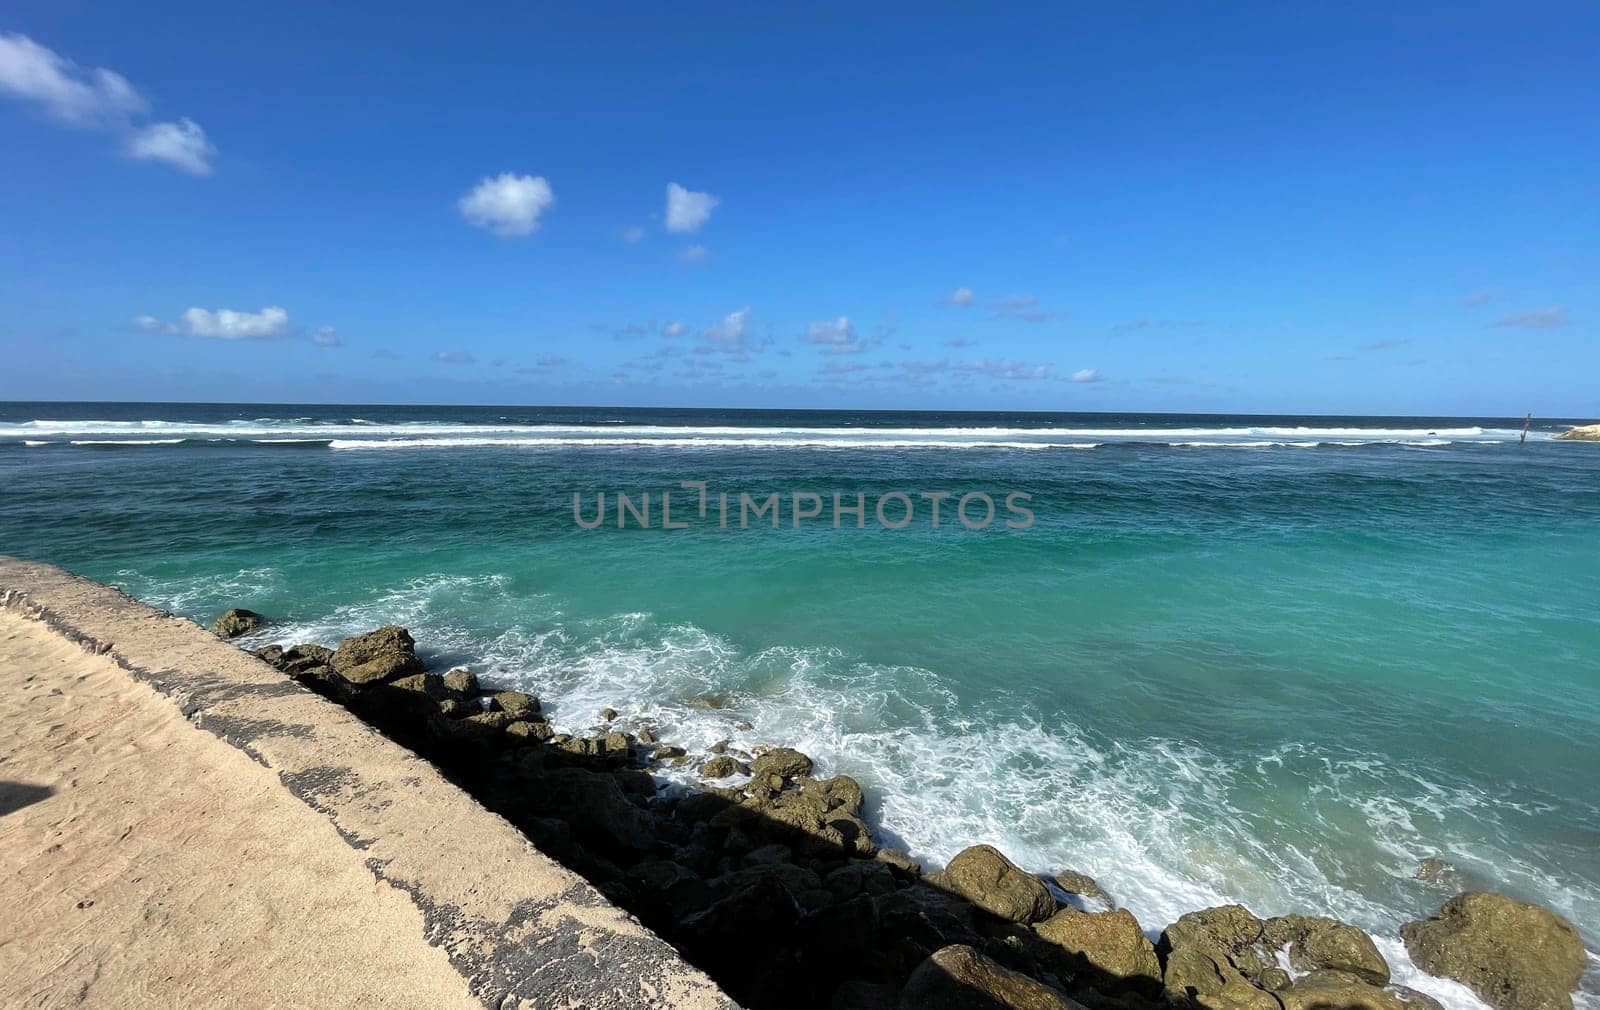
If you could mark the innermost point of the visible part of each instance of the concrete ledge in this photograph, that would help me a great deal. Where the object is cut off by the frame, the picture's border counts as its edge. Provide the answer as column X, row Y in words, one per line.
column 518, row 929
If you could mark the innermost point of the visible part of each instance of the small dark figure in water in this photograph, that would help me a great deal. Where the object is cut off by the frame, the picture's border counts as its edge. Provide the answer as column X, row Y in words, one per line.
column 1525, row 422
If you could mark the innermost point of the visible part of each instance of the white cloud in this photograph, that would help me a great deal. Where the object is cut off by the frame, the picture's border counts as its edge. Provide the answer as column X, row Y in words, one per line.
column 732, row 337
column 686, row 209
column 508, row 205
column 65, row 90
column 325, row 336
column 961, row 297
column 1007, row 369
column 453, row 357
column 182, row 145
column 633, row 234
column 153, row 324
column 693, row 253
column 836, row 337
column 99, row 99
column 674, row 329
column 271, row 323
column 1085, row 375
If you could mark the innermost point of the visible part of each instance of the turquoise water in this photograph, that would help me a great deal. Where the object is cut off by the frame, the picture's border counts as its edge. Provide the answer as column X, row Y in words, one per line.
column 1273, row 660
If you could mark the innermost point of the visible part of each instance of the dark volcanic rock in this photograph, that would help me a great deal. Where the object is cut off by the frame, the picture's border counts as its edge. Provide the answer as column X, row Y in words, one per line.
column 237, row 622
column 377, row 656
column 1514, row 955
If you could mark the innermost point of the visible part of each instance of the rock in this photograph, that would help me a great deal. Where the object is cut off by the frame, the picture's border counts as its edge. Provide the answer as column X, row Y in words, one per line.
column 462, row 681
column 593, row 803
column 1514, row 955
column 377, row 656
column 272, row 655
column 1321, row 990
column 860, row 876
column 430, row 684
column 1315, row 943
column 644, row 735
column 858, row 995
column 720, row 767
column 783, row 762
column 616, row 742
column 1103, row 947
column 516, row 704
column 1084, row 886
column 530, row 730
column 838, row 793
column 1274, row 979
column 1229, row 932
column 960, row 978
column 1203, row 977
column 301, row 658
column 1431, row 868
column 607, row 714
column 900, row 860
column 985, row 877
column 237, row 622
column 665, row 751
column 1582, row 433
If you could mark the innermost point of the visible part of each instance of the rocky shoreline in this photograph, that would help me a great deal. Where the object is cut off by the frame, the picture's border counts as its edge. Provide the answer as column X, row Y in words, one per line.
column 775, row 887
column 1582, row 433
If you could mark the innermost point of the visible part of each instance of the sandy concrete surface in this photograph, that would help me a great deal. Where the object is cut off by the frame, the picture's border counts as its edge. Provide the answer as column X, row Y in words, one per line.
column 182, row 826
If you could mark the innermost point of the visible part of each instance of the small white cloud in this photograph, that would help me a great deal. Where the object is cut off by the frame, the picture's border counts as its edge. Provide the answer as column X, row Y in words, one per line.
column 1536, row 319
column 686, row 209
column 633, row 234
column 507, row 205
column 65, row 90
column 732, row 337
column 154, row 325
column 271, row 323
column 837, row 336
column 325, row 336
column 693, row 253
column 1085, row 375
column 961, row 297
column 453, row 357
column 182, row 145
column 674, row 329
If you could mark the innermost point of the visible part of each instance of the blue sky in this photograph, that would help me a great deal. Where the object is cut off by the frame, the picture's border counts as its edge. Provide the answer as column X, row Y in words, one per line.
column 1273, row 207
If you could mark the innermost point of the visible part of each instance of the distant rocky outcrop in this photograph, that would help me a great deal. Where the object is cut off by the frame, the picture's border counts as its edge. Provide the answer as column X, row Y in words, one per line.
column 1514, row 955
column 1582, row 433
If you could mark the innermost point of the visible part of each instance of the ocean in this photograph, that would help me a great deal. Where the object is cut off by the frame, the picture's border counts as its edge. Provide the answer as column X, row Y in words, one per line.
column 1273, row 660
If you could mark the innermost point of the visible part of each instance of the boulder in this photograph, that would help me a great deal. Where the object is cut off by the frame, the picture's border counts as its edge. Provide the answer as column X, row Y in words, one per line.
column 783, row 762
column 1103, row 949
column 720, row 767
column 960, row 978
column 1514, row 955
column 1203, row 977
column 1582, row 433
column 516, row 704
column 272, row 655
column 1085, row 887
column 462, row 681
column 1321, row 990
column 237, row 622
column 985, row 877
column 607, row 714
column 1316, row 943
column 1229, row 932
column 377, row 656
column 299, row 659
column 596, row 806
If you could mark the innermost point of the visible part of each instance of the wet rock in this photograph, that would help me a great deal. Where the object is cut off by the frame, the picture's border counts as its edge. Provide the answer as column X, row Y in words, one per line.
column 1274, row 979
column 900, row 860
column 1211, row 958
column 644, row 735
column 960, row 978
column 272, row 655
column 607, row 714
column 984, row 876
column 1230, row 932
column 1316, row 943
column 1085, row 887
column 720, row 767
column 516, row 704
column 462, row 681
column 1514, row 955
column 664, row 752
column 784, row 762
column 377, row 656
column 1103, row 947
column 237, row 622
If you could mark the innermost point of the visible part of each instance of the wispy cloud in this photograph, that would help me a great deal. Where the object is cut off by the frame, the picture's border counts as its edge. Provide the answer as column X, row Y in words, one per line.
column 960, row 298
column 732, row 336
column 841, row 368
column 325, row 336
column 1021, row 307
column 1015, row 371
column 687, row 210
column 452, row 357
column 1385, row 345
column 1536, row 319
column 507, row 205
column 960, row 342
column 1085, row 375
column 632, row 234
column 1480, row 297
column 99, row 99
column 837, row 336
column 693, row 253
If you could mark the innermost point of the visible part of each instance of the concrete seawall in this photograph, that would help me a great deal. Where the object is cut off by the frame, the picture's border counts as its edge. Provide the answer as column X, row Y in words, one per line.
column 180, row 825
